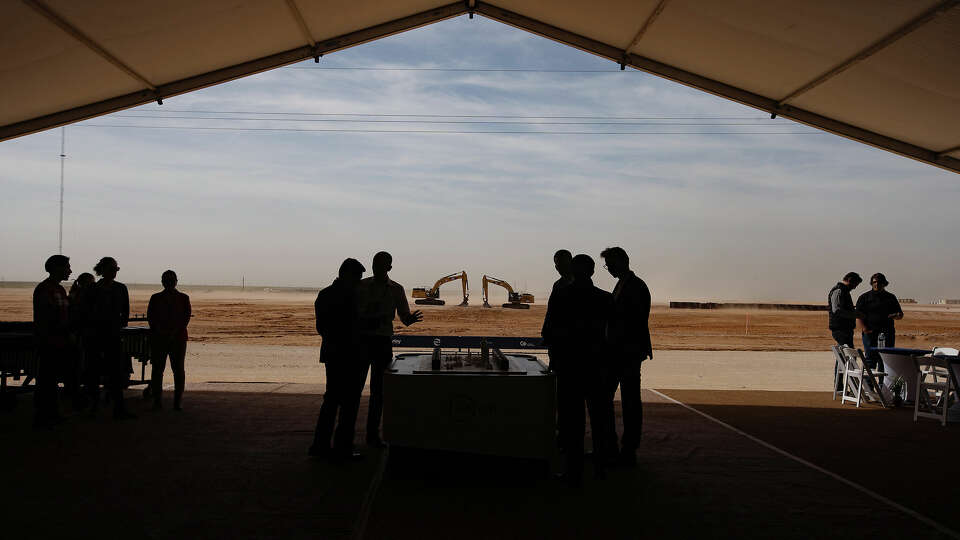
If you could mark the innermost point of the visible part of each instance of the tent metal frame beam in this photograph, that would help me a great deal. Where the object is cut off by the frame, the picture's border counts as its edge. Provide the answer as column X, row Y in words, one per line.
column 89, row 43
column 212, row 78
column 301, row 22
column 647, row 24
column 718, row 88
column 620, row 56
column 885, row 42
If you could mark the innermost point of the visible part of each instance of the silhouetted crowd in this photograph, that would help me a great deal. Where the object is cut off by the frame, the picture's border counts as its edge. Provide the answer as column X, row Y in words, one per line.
column 874, row 315
column 596, row 341
column 79, row 339
column 355, row 314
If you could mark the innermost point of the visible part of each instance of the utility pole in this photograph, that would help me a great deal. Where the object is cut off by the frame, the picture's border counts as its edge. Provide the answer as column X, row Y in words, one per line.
column 63, row 157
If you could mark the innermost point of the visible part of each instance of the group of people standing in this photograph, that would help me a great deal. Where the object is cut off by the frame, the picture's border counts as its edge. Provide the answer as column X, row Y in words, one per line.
column 78, row 336
column 355, row 318
column 597, row 341
column 873, row 315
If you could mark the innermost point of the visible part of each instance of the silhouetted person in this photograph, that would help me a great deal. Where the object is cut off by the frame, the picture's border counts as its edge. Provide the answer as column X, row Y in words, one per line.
column 51, row 328
column 876, row 311
column 629, row 335
column 344, row 363
column 75, row 366
column 168, row 314
column 110, row 313
column 379, row 300
column 578, row 319
column 843, row 314
column 562, row 261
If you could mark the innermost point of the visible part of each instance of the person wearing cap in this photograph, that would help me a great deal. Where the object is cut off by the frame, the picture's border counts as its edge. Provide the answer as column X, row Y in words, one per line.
column 345, row 366
column 877, row 309
column 168, row 314
column 110, row 314
column 843, row 314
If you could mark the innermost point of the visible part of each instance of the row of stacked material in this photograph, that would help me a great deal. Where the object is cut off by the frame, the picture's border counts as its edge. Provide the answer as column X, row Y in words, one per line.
column 741, row 305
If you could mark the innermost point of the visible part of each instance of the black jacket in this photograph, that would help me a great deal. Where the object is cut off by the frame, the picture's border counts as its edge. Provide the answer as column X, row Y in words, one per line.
column 575, row 322
column 545, row 330
column 628, row 331
column 843, row 315
column 875, row 308
column 336, row 311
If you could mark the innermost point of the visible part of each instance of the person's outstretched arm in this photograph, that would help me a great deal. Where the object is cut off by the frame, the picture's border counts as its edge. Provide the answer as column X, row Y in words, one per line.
column 403, row 309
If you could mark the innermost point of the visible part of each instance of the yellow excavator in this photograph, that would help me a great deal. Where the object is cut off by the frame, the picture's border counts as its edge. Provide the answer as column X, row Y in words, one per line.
column 431, row 296
column 516, row 300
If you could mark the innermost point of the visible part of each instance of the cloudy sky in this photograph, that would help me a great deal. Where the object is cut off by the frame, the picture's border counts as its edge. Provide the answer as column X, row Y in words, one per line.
column 518, row 154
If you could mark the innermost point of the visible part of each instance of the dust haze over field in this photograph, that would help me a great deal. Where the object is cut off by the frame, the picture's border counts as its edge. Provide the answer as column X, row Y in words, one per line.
column 712, row 200
column 271, row 317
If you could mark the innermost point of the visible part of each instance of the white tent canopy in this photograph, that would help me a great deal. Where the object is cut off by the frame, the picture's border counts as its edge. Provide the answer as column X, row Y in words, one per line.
column 882, row 72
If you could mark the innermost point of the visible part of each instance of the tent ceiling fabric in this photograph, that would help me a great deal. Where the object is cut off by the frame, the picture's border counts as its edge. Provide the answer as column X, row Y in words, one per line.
column 884, row 72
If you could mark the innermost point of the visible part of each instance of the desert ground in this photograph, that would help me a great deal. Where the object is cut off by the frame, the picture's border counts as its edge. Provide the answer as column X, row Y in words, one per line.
column 267, row 335
column 740, row 430
column 269, row 316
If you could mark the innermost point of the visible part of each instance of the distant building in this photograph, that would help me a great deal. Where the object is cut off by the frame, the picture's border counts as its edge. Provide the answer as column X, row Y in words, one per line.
column 907, row 300
column 948, row 301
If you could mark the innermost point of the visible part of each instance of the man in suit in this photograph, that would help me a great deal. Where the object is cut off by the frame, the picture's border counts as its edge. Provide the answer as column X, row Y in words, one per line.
column 562, row 261
column 51, row 326
column 168, row 314
column 578, row 319
column 628, row 334
column 343, row 362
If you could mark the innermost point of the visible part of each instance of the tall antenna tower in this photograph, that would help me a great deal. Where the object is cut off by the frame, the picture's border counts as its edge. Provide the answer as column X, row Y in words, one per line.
column 63, row 157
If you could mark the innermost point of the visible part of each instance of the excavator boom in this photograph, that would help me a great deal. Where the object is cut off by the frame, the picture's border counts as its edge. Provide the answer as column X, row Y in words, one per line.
column 431, row 296
column 515, row 300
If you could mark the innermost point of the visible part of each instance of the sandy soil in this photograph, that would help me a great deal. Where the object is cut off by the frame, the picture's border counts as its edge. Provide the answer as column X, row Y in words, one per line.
column 281, row 317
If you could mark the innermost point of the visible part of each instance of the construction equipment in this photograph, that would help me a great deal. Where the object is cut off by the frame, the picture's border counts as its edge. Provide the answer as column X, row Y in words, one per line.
column 515, row 299
column 431, row 297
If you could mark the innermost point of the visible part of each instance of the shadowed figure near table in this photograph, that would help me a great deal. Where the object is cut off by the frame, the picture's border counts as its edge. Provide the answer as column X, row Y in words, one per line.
column 168, row 314
column 343, row 361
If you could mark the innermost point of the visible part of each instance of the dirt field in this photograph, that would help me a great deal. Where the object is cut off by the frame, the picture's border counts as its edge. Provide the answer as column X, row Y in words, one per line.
column 272, row 317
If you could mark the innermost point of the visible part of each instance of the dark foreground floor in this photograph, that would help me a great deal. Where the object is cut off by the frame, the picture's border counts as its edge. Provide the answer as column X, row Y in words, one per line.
column 234, row 465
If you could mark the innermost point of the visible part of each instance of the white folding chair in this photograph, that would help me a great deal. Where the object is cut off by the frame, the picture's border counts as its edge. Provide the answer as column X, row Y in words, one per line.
column 859, row 380
column 838, row 370
column 936, row 388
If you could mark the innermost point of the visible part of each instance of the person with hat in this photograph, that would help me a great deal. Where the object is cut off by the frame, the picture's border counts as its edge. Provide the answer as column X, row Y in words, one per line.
column 877, row 309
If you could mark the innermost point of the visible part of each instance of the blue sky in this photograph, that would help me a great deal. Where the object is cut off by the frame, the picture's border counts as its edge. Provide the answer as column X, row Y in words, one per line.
column 768, row 210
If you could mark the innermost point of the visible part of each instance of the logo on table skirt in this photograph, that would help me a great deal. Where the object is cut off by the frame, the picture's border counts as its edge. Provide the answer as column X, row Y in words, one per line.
column 464, row 408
